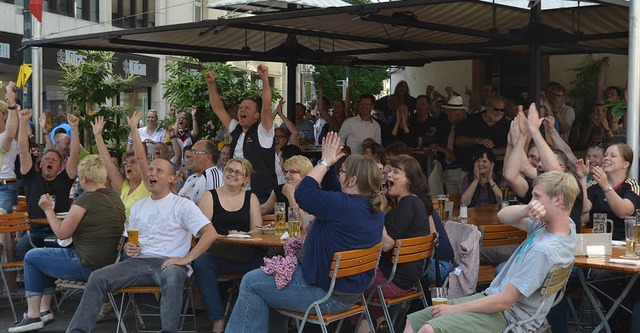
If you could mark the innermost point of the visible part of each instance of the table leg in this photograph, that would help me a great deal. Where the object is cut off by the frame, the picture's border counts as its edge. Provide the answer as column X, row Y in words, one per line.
column 594, row 303
column 617, row 302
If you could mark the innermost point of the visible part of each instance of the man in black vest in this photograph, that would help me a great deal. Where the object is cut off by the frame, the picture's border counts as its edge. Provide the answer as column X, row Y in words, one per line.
column 251, row 139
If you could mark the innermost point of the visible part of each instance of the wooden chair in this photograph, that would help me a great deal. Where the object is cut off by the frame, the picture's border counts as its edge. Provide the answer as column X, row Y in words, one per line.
column 554, row 283
column 344, row 264
column 497, row 235
column 13, row 224
column 405, row 251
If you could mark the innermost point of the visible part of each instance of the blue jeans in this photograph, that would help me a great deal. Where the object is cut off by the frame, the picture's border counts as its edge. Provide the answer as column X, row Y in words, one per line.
column 8, row 196
column 37, row 237
column 43, row 266
column 259, row 294
column 445, row 268
column 206, row 270
column 132, row 272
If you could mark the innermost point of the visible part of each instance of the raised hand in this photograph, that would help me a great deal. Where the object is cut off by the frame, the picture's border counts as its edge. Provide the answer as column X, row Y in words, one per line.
column 134, row 120
column 45, row 202
column 42, row 121
column 263, row 71
column 194, row 110
column 601, row 177
column 72, row 120
column 476, row 171
column 581, row 169
column 25, row 114
column 533, row 119
column 331, row 148
column 536, row 210
column 98, row 125
column 210, row 77
column 319, row 86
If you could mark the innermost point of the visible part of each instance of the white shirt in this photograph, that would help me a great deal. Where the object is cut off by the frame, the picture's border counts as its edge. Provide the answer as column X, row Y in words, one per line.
column 166, row 225
column 159, row 135
column 9, row 162
column 264, row 136
column 195, row 186
column 354, row 130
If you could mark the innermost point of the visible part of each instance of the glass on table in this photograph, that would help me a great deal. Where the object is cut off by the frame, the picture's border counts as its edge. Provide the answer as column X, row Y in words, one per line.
column 280, row 219
column 294, row 222
column 631, row 236
column 600, row 222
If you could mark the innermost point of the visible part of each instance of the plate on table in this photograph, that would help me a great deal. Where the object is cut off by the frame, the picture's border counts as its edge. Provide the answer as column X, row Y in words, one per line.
column 270, row 230
column 238, row 236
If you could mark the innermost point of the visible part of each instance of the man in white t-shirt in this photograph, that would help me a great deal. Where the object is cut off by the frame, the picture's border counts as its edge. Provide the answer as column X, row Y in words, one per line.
column 355, row 130
column 165, row 222
column 206, row 176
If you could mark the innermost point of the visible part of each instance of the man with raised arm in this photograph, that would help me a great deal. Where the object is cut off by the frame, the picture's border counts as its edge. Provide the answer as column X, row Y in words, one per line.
column 49, row 180
column 252, row 134
column 166, row 223
column 515, row 293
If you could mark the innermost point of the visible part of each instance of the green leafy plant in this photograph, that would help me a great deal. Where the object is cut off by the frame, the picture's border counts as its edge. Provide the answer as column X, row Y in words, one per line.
column 186, row 87
column 88, row 84
column 367, row 80
column 584, row 85
column 618, row 107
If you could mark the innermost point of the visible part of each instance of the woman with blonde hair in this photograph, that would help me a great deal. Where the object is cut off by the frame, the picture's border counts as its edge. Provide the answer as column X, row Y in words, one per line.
column 95, row 221
column 347, row 220
column 232, row 210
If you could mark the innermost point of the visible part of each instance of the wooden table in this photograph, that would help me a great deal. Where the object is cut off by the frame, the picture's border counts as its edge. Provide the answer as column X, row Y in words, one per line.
column 39, row 220
column 480, row 216
column 258, row 240
column 603, row 263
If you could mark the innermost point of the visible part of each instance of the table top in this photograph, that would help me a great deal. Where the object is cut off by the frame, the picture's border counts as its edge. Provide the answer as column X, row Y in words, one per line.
column 602, row 262
column 39, row 220
column 257, row 240
column 480, row 216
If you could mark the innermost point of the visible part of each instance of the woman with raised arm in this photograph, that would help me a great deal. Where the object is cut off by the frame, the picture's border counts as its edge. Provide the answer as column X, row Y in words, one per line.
column 347, row 220
column 132, row 187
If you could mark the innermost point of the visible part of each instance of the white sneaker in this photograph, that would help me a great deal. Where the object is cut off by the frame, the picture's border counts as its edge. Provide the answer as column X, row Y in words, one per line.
column 27, row 325
column 104, row 311
column 46, row 317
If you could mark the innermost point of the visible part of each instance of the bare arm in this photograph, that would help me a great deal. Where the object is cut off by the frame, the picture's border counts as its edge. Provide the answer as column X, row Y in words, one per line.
column 347, row 101
column 112, row 171
column 511, row 166
column 549, row 159
column 266, row 120
column 11, row 127
column 206, row 205
column 177, row 149
column 620, row 206
column 65, row 228
column 216, row 101
column 267, row 206
column 23, row 141
column 74, row 154
column 558, row 142
column 194, row 123
column 490, row 304
column 138, row 147
column 294, row 138
column 255, row 215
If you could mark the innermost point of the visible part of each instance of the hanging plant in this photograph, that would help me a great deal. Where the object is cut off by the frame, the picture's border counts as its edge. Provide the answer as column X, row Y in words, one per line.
column 617, row 107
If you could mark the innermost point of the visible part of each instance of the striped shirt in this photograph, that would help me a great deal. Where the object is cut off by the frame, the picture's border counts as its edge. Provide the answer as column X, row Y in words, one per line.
column 195, row 186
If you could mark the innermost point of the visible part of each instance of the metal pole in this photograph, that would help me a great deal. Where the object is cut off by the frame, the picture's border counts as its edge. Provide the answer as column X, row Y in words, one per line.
column 26, row 57
column 633, row 120
column 535, row 52
column 36, row 82
column 291, row 90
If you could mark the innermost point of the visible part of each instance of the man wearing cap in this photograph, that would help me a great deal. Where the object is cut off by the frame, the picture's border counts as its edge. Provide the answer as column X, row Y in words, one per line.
column 447, row 174
column 488, row 128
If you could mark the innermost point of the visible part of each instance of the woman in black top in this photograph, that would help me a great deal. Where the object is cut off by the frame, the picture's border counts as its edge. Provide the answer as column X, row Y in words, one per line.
column 231, row 209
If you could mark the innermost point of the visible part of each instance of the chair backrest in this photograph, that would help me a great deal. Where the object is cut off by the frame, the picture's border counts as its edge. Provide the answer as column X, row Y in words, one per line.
column 556, row 280
column 14, row 222
column 413, row 249
column 501, row 234
column 347, row 263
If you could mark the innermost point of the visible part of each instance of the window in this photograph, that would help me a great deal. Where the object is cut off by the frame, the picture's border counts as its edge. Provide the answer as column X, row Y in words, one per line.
column 133, row 13
column 80, row 9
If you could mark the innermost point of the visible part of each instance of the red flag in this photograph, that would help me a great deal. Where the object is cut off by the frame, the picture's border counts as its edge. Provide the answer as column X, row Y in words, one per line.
column 36, row 8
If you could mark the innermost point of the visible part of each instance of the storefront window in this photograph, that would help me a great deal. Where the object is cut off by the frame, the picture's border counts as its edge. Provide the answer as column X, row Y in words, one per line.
column 136, row 98
column 133, row 13
column 80, row 9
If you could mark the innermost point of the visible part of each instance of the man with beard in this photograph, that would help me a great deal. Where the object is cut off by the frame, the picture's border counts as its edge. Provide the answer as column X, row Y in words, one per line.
column 48, row 180
column 488, row 128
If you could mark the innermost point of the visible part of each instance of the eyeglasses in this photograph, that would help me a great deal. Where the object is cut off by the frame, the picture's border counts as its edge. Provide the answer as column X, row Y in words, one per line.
column 195, row 152
column 133, row 161
column 292, row 171
column 497, row 109
column 237, row 173
column 281, row 136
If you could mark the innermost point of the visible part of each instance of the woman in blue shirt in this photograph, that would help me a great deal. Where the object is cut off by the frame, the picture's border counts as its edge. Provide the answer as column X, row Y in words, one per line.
column 347, row 220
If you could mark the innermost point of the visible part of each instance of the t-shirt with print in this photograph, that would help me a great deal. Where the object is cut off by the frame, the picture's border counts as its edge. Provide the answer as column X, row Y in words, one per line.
column 165, row 226
column 527, row 269
column 35, row 186
column 629, row 189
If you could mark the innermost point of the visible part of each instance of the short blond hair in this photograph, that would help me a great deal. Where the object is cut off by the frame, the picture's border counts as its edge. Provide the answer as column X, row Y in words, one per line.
column 93, row 169
column 4, row 108
column 299, row 162
column 559, row 183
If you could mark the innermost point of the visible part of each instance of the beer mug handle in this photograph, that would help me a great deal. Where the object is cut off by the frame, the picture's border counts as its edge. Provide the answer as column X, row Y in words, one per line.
column 609, row 222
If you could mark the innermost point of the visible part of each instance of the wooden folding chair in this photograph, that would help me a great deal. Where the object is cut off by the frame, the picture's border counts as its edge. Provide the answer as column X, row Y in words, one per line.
column 554, row 283
column 344, row 264
column 406, row 250
column 13, row 224
column 497, row 235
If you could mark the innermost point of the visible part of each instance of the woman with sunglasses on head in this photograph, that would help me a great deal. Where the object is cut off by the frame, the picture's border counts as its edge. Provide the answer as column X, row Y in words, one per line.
column 611, row 191
column 232, row 210
column 347, row 220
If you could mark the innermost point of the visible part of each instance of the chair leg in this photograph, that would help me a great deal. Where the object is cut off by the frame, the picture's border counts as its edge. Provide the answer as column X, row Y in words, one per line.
column 6, row 289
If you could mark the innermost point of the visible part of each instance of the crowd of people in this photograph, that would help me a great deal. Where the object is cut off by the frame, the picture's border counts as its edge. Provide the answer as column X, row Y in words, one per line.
column 365, row 189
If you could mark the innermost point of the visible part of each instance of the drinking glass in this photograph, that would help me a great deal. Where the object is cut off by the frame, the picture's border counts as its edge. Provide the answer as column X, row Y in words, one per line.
column 631, row 236
column 438, row 296
column 280, row 219
column 53, row 201
column 294, row 222
column 133, row 236
column 442, row 199
column 600, row 222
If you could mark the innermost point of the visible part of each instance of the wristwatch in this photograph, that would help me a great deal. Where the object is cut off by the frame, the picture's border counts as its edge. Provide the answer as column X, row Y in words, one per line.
column 609, row 189
column 323, row 163
column 12, row 107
